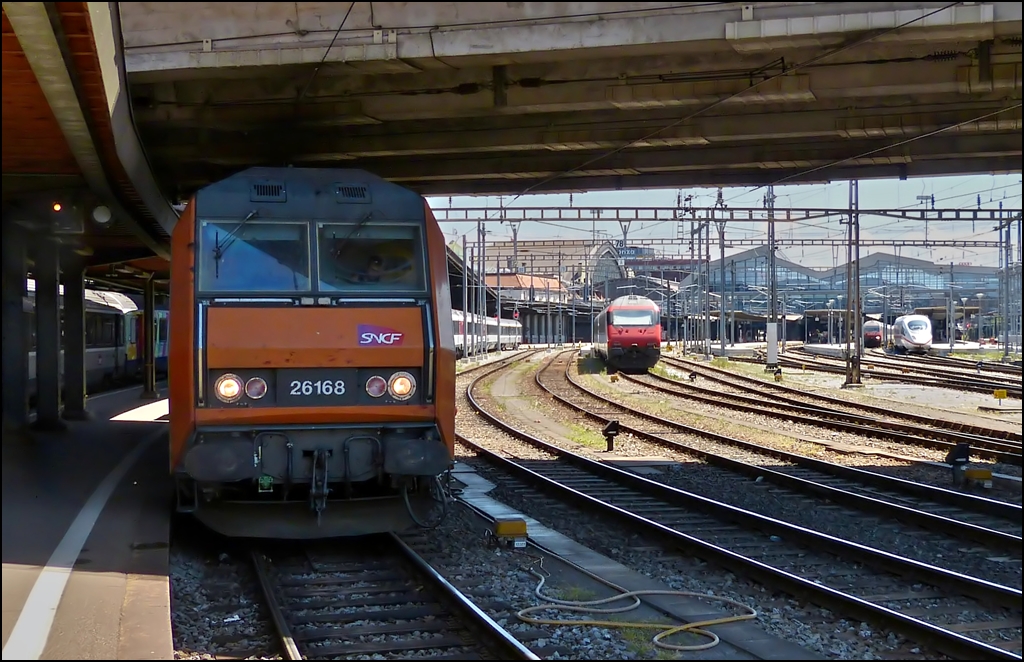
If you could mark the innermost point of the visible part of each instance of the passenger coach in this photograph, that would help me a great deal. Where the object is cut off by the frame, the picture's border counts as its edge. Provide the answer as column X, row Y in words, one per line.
column 312, row 368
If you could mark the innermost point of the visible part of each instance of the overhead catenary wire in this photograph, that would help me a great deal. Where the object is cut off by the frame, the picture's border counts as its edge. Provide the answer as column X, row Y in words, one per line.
column 324, row 57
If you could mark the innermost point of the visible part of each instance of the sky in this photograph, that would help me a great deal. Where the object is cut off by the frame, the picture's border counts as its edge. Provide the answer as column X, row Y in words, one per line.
column 965, row 192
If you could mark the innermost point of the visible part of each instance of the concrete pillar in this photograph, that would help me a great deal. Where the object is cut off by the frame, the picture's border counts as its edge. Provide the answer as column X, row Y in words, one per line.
column 149, row 341
column 74, row 342
column 15, row 347
column 47, row 277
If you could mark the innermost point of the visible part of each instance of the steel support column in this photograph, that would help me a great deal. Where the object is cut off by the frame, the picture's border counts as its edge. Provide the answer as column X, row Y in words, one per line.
column 771, row 333
column 721, row 282
column 74, row 343
column 858, row 318
column 466, row 264
column 149, row 341
column 15, row 345
column 47, row 277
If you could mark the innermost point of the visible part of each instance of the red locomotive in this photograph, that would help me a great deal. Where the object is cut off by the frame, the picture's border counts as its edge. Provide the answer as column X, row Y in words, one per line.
column 627, row 334
column 872, row 333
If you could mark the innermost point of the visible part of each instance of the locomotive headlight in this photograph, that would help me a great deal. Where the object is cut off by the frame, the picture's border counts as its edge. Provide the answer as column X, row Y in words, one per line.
column 402, row 385
column 376, row 386
column 228, row 388
column 256, row 388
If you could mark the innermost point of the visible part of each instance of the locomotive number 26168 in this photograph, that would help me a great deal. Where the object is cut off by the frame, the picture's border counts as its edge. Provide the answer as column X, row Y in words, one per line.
column 308, row 387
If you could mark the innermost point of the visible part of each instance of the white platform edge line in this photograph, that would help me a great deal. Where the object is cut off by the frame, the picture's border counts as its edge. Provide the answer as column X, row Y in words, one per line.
column 32, row 630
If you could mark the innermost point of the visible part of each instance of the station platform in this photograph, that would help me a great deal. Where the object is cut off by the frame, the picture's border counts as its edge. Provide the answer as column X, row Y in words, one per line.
column 86, row 532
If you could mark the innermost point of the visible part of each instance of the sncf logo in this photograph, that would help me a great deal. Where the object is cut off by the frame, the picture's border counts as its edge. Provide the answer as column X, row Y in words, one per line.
column 375, row 336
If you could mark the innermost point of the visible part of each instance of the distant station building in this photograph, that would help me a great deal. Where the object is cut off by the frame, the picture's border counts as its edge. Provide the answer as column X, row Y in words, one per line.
column 556, row 286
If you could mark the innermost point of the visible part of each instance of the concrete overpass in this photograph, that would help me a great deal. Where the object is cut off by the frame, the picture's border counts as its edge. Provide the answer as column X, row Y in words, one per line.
column 453, row 97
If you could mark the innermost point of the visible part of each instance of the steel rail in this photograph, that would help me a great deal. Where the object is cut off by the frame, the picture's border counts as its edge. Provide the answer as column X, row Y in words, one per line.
column 812, row 415
column 503, row 644
column 946, row 641
column 284, row 634
column 942, row 524
column 754, row 385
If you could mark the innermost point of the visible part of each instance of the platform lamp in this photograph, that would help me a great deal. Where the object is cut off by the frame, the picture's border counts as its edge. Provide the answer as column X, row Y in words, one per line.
column 101, row 215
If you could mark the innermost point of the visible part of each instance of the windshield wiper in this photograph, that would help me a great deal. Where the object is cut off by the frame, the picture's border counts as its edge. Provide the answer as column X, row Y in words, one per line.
column 359, row 225
column 344, row 242
column 219, row 248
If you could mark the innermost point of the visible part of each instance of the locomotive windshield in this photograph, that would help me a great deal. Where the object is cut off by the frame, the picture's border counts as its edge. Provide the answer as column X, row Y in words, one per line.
column 253, row 256
column 373, row 258
column 274, row 257
column 634, row 318
column 917, row 325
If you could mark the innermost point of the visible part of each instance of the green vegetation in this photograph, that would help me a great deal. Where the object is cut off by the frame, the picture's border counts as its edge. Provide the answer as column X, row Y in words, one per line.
column 989, row 355
column 664, row 371
column 574, row 593
column 671, row 408
column 639, row 640
column 587, row 437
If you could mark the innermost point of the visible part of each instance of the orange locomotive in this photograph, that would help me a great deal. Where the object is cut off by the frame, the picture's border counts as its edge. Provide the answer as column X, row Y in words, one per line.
column 312, row 361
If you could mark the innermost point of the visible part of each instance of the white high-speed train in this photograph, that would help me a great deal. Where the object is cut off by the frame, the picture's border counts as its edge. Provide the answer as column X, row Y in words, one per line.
column 912, row 333
column 488, row 334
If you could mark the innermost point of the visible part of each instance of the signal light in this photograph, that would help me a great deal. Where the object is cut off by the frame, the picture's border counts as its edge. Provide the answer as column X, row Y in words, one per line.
column 57, row 206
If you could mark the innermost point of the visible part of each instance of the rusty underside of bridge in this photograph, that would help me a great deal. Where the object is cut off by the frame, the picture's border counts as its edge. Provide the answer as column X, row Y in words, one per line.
column 574, row 119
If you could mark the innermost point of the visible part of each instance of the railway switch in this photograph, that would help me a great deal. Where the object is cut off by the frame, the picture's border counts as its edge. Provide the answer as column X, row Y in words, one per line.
column 510, row 531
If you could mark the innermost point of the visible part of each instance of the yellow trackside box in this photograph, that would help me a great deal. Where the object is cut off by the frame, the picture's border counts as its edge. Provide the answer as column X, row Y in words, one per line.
column 510, row 527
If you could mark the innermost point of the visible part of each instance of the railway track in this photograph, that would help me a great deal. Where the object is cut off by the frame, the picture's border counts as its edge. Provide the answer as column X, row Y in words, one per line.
column 961, row 616
column 923, row 365
column 378, row 599
column 967, row 364
column 993, row 525
column 904, row 433
column 787, row 394
column 873, row 370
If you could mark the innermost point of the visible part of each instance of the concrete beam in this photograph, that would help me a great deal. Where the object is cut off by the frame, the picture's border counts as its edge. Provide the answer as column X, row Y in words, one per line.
column 761, row 156
column 712, row 178
column 106, row 31
column 584, row 134
column 260, row 103
column 270, row 100
column 34, row 28
column 963, row 21
column 779, row 159
column 397, row 36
